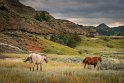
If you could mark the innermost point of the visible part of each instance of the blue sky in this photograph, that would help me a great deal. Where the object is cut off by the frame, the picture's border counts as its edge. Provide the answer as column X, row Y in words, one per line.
column 84, row 12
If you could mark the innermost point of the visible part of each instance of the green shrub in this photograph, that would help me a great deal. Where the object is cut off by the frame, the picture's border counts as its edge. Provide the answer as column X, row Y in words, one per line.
column 47, row 50
column 3, row 13
column 42, row 17
column 90, row 35
column 70, row 40
column 109, row 45
column 105, row 39
column 60, row 53
column 80, row 52
column 83, row 51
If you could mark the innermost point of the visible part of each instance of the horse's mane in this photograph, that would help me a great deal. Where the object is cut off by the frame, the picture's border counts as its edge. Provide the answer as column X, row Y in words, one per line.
column 42, row 54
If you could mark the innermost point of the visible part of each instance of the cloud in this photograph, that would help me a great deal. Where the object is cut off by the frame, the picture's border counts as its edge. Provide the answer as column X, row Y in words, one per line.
column 95, row 21
column 104, row 11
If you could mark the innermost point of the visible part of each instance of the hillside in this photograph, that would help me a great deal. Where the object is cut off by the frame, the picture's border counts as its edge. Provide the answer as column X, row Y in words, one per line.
column 19, row 22
column 73, row 26
column 20, row 17
column 105, row 30
column 83, row 30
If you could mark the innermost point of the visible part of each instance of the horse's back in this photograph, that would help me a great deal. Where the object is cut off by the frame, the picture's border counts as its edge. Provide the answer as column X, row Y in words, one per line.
column 90, row 60
column 96, row 59
column 37, row 58
column 86, row 59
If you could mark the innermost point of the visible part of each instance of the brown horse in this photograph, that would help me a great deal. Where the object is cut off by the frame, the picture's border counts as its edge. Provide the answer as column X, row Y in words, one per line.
column 92, row 61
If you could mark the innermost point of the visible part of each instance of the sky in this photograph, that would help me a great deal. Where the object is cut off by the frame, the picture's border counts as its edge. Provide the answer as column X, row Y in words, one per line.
column 83, row 12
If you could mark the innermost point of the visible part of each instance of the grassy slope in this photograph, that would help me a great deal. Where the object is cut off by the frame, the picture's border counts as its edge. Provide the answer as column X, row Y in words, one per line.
column 52, row 47
column 95, row 46
column 100, row 45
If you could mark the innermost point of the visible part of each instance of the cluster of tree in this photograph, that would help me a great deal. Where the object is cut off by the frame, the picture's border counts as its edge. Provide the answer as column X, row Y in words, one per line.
column 42, row 17
column 70, row 40
column 117, row 31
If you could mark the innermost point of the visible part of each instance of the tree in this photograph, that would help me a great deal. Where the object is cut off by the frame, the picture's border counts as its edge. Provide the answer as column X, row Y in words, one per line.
column 42, row 17
column 70, row 40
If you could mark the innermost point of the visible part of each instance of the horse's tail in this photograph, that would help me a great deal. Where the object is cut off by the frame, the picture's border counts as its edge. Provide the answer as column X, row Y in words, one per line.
column 84, row 61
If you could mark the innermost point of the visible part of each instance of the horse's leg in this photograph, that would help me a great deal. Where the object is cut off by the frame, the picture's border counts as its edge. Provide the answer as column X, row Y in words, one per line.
column 84, row 65
column 40, row 67
column 34, row 67
column 31, row 66
column 95, row 66
column 37, row 67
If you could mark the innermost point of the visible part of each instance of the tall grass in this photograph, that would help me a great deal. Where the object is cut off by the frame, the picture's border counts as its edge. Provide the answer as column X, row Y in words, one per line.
column 60, row 69
column 59, row 75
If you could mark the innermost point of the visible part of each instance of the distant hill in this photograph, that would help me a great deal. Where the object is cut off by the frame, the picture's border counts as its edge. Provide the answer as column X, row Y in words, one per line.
column 117, row 31
column 105, row 30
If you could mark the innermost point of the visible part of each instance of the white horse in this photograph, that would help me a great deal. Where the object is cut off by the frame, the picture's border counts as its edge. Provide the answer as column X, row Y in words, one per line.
column 36, row 60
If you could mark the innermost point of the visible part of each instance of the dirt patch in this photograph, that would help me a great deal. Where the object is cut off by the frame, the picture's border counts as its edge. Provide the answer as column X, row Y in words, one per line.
column 21, row 40
column 32, row 45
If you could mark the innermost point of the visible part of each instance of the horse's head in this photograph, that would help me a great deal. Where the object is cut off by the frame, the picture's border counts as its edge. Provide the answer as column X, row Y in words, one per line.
column 100, row 59
column 45, row 58
column 27, row 59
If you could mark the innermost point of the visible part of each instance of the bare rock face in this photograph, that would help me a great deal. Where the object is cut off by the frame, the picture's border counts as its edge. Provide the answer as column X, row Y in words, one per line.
column 13, row 22
column 16, row 16
column 83, row 30
column 72, row 26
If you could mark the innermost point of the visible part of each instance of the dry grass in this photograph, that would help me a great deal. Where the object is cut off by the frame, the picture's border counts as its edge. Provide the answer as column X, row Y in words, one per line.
column 14, row 70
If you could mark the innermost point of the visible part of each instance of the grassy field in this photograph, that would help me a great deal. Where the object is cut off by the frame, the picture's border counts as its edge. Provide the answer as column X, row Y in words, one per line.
column 60, row 69
column 63, row 68
column 88, row 46
column 101, row 45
